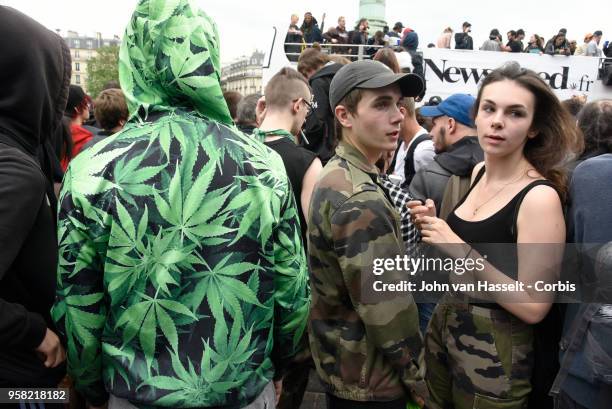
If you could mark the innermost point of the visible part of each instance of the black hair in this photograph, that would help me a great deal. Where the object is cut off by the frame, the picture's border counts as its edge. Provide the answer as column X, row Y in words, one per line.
column 595, row 122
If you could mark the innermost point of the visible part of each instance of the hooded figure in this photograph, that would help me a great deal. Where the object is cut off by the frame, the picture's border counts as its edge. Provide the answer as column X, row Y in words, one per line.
column 182, row 279
column 319, row 127
column 410, row 43
column 34, row 78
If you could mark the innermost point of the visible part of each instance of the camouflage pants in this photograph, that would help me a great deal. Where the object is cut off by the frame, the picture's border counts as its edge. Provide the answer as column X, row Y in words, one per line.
column 477, row 358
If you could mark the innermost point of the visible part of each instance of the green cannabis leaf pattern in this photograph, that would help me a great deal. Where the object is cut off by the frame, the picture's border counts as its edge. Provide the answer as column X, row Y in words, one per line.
column 182, row 278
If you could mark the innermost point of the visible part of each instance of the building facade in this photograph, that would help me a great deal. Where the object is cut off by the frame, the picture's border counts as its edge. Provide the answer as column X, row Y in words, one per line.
column 244, row 75
column 82, row 48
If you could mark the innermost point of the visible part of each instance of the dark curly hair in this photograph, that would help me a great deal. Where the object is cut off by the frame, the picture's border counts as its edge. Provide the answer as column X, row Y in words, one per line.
column 595, row 122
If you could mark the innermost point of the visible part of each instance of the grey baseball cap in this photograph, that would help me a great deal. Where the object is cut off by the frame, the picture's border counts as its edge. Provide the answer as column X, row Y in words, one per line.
column 368, row 74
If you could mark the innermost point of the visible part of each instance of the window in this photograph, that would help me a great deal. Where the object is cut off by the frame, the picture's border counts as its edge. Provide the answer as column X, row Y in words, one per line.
column 77, row 43
column 89, row 44
column 77, row 79
column 77, row 66
column 76, row 53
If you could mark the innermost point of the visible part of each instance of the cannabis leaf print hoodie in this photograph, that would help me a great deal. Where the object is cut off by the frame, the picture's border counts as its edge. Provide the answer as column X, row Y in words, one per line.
column 182, row 278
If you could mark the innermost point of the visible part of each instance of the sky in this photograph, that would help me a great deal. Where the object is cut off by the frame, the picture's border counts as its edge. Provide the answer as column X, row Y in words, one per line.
column 247, row 25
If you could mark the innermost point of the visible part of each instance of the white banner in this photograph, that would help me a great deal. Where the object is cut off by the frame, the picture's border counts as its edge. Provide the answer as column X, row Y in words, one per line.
column 461, row 71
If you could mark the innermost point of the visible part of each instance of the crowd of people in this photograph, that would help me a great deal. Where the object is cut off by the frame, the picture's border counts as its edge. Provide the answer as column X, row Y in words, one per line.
column 187, row 247
column 400, row 37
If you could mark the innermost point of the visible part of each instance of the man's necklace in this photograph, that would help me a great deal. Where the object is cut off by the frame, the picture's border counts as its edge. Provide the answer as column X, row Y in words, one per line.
column 477, row 208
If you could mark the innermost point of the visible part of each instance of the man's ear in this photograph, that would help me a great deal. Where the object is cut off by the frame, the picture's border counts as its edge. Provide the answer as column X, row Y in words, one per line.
column 295, row 107
column 343, row 116
column 403, row 111
column 452, row 125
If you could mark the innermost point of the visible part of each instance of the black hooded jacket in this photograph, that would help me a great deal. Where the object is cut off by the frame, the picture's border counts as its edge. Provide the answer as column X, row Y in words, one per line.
column 34, row 78
column 319, row 126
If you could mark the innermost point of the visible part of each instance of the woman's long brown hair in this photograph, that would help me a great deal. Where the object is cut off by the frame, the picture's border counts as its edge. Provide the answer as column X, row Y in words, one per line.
column 557, row 134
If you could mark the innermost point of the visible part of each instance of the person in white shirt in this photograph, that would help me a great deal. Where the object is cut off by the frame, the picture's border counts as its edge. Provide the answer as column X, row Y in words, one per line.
column 593, row 47
column 416, row 146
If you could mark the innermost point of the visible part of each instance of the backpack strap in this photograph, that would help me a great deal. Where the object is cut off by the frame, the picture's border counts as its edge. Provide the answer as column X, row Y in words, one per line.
column 479, row 176
column 456, row 189
column 409, row 170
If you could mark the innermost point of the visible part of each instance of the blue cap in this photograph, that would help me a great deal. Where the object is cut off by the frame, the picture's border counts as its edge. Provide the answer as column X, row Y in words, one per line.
column 457, row 106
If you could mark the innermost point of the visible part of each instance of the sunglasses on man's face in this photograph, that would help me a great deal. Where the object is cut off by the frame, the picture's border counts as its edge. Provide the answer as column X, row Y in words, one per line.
column 309, row 107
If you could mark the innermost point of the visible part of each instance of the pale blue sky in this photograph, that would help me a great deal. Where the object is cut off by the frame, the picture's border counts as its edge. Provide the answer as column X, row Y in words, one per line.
column 246, row 25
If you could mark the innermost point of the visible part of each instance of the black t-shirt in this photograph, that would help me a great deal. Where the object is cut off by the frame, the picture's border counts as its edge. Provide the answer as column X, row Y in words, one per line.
column 297, row 160
column 515, row 46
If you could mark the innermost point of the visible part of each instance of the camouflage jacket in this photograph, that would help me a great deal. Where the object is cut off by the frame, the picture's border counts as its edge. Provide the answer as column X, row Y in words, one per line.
column 364, row 349
column 182, row 275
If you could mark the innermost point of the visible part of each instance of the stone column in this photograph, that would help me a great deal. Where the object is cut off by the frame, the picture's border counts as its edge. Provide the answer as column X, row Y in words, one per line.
column 374, row 11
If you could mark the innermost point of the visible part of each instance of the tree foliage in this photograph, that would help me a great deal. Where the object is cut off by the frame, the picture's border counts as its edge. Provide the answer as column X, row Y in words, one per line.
column 102, row 68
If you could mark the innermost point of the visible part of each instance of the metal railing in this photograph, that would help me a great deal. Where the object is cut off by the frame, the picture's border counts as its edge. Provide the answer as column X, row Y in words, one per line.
column 604, row 62
column 332, row 48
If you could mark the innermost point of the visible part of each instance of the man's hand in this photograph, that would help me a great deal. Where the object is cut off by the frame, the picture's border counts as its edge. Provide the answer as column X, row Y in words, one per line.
column 418, row 400
column 278, row 389
column 51, row 350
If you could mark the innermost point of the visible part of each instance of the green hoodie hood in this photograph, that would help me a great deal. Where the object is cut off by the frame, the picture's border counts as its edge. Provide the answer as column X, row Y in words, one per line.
column 182, row 278
column 169, row 59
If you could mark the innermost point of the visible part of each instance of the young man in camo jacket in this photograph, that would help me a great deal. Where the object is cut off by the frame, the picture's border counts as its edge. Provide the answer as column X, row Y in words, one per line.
column 368, row 350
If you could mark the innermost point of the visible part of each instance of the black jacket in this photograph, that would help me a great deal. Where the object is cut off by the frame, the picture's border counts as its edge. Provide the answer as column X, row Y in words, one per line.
column 319, row 126
column 312, row 33
column 463, row 41
column 552, row 49
column 295, row 40
column 34, row 78
column 459, row 159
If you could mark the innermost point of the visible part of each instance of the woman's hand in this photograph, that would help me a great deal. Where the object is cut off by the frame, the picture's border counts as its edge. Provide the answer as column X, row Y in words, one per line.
column 436, row 231
column 418, row 210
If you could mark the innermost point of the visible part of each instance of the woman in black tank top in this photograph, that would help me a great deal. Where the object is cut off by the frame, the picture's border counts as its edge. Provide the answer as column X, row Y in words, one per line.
column 481, row 355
